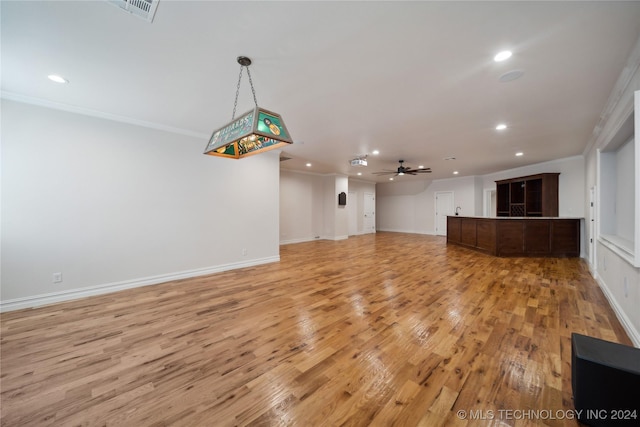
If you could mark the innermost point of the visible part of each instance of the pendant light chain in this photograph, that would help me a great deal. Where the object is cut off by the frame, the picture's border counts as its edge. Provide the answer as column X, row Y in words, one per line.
column 235, row 103
column 253, row 91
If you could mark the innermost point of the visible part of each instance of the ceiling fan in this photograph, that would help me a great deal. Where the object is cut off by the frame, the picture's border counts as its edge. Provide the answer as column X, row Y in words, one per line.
column 404, row 170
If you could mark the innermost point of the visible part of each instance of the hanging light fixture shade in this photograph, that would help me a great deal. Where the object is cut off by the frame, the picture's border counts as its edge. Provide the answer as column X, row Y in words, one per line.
column 254, row 132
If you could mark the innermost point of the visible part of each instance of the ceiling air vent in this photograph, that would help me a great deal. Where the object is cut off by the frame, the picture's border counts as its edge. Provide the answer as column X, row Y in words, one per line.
column 144, row 9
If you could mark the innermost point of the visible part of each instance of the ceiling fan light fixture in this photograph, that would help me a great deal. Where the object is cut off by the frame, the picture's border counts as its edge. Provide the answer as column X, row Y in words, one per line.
column 404, row 170
column 256, row 131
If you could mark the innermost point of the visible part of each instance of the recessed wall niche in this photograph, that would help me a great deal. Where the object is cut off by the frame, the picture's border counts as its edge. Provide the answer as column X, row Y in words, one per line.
column 619, row 192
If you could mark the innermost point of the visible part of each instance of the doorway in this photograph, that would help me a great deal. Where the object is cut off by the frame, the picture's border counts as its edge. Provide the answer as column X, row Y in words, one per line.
column 369, row 223
column 490, row 203
column 444, row 208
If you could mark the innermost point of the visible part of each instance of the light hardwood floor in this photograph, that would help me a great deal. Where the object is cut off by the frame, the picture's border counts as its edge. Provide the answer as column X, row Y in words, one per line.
column 382, row 329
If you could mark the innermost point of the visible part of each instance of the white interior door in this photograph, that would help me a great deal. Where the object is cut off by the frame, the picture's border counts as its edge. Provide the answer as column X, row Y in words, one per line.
column 444, row 207
column 369, row 223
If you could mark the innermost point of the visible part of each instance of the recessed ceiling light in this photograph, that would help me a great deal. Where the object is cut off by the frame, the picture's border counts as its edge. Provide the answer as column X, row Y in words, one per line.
column 502, row 56
column 375, row 152
column 519, row 153
column 390, row 179
column 501, row 126
column 359, row 173
column 308, row 165
column 455, row 172
column 58, row 79
column 421, row 167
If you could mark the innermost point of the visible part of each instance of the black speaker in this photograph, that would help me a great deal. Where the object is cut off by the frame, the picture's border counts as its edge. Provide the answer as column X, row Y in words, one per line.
column 605, row 378
column 342, row 198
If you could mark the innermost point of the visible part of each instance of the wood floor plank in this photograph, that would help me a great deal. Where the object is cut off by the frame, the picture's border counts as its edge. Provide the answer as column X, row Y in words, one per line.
column 381, row 329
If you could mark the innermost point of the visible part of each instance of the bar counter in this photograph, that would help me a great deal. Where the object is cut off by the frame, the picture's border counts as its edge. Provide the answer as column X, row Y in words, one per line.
column 516, row 236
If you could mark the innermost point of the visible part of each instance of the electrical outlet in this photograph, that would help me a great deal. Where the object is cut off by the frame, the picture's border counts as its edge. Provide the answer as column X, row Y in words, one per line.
column 57, row 277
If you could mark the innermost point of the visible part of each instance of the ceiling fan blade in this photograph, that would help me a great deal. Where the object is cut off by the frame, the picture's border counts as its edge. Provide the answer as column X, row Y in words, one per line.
column 404, row 170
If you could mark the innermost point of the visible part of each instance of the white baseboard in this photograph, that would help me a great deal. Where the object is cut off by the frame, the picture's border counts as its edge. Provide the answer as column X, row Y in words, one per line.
column 310, row 239
column 302, row 240
column 626, row 323
column 344, row 237
column 395, row 230
column 71, row 294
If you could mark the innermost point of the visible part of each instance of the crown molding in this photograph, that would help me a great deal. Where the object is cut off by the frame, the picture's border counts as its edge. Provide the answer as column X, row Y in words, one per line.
column 619, row 104
column 10, row 96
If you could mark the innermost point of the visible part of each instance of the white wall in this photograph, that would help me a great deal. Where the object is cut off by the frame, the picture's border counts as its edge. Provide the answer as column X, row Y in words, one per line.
column 301, row 207
column 607, row 201
column 409, row 206
column 479, row 196
column 336, row 218
column 612, row 274
column 625, row 209
column 396, row 205
column 610, row 269
column 341, row 230
column 309, row 206
column 360, row 188
column 112, row 205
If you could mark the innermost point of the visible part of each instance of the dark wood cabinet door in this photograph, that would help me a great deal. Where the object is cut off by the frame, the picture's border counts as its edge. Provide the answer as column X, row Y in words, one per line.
column 565, row 237
column 453, row 229
column 537, row 237
column 510, row 236
column 468, row 231
column 486, row 235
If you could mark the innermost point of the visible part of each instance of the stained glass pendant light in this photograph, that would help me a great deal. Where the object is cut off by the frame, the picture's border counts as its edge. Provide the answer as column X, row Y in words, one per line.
column 253, row 132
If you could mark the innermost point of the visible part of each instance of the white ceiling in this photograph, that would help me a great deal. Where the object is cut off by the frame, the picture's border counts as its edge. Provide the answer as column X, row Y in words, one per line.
column 415, row 80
